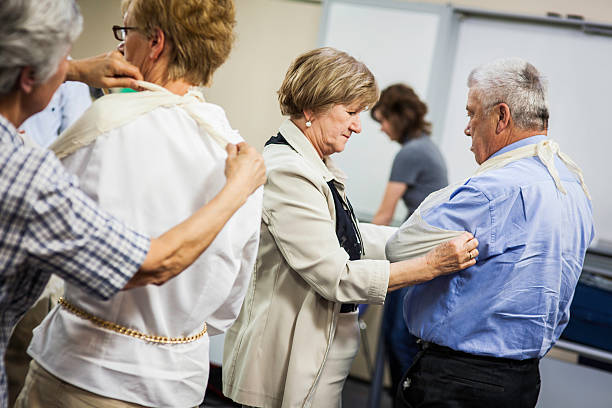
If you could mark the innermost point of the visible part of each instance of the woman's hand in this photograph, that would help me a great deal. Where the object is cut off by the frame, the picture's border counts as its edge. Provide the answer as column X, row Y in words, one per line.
column 108, row 70
column 454, row 255
column 448, row 257
column 244, row 168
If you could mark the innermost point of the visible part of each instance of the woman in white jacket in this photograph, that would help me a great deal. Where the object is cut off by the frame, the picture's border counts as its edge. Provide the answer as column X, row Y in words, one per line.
column 297, row 334
column 151, row 158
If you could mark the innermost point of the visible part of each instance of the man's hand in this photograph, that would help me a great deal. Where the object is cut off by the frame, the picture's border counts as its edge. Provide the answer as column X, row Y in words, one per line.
column 108, row 70
column 244, row 168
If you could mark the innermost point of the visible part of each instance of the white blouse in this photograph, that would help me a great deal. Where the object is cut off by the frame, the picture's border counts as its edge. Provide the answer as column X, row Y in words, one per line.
column 153, row 172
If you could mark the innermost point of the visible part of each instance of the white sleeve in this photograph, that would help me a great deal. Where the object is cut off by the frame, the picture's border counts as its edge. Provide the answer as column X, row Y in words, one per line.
column 374, row 239
column 222, row 318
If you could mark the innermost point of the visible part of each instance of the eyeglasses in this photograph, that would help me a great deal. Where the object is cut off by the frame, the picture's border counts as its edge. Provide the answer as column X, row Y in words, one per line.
column 121, row 32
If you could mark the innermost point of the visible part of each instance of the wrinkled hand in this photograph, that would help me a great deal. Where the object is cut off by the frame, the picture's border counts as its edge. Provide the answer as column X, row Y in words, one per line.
column 454, row 255
column 244, row 167
column 108, row 70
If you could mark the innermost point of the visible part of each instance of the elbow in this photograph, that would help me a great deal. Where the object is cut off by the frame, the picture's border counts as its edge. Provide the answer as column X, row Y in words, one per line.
column 162, row 263
column 158, row 273
column 395, row 251
column 390, row 250
column 382, row 218
column 387, row 217
column 168, row 269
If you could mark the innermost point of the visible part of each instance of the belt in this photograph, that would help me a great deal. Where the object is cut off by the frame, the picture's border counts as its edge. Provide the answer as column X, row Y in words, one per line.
column 348, row 307
column 425, row 345
column 117, row 328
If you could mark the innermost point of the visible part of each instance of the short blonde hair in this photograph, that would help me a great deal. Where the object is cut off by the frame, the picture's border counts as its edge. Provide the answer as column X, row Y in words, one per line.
column 324, row 77
column 200, row 33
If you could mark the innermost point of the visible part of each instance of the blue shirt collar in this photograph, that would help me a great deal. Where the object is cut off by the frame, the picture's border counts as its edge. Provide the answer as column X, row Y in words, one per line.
column 523, row 142
column 8, row 133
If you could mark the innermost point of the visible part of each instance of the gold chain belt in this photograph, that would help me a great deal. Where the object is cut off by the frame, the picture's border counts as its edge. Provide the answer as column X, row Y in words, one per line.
column 105, row 324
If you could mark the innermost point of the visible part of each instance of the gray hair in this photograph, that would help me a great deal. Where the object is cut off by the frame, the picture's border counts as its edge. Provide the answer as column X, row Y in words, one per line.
column 516, row 83
column 37, row 34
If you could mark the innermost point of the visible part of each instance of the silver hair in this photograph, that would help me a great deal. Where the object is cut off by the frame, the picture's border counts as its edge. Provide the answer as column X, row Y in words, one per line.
column 37, row 34
column 516, row 83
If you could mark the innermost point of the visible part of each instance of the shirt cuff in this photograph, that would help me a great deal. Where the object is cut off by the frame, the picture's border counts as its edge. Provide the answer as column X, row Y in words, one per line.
column 379, row 280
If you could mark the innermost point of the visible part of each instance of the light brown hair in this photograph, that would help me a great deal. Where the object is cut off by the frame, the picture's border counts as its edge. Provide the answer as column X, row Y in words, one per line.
column 200, row 33
column 323, row 77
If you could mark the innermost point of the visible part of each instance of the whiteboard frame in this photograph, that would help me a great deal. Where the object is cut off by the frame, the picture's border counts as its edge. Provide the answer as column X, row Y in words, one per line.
column 443, row 55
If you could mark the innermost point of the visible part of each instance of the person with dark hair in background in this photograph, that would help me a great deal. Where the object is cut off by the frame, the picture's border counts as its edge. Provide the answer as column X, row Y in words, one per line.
column 418, row 170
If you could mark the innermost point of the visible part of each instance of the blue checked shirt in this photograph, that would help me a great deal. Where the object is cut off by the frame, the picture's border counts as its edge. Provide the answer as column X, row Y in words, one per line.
column 515, row 301
column 47, row 225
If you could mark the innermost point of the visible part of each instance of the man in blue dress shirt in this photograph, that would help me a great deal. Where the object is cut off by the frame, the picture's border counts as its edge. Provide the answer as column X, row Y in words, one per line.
column 67, row 105
column 485, row 329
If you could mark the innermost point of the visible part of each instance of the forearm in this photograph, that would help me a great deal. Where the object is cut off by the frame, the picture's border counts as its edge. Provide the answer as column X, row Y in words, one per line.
column 179, row 247
column 448, row 257
column 393, row 193
column 382, row 217
column 410, row 272
column 74, row 72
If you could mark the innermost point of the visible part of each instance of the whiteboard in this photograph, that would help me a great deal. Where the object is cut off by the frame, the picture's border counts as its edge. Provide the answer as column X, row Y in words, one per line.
column 397, row 44
column 577, row 66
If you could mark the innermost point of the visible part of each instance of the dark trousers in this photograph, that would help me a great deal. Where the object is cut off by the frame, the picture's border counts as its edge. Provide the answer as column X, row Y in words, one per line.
column 400, row 346
column 441, row 377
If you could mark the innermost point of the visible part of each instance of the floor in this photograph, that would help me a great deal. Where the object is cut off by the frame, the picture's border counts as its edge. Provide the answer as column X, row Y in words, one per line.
column 355, row 395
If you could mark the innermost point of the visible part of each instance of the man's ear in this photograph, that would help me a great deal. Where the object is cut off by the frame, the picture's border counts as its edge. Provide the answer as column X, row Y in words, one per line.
column 26, row 79
column 503, row 118
column 157, row 42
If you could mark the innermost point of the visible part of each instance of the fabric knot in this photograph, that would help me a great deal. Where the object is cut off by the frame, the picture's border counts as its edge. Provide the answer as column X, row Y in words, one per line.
column 546, row 152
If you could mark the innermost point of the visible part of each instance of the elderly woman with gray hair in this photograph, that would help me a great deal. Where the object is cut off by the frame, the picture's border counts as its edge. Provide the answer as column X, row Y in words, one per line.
column 152, row 158
column 297, row 333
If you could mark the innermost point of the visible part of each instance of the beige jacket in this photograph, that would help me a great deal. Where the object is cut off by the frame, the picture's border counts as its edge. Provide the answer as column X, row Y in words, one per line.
column 275, row 351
